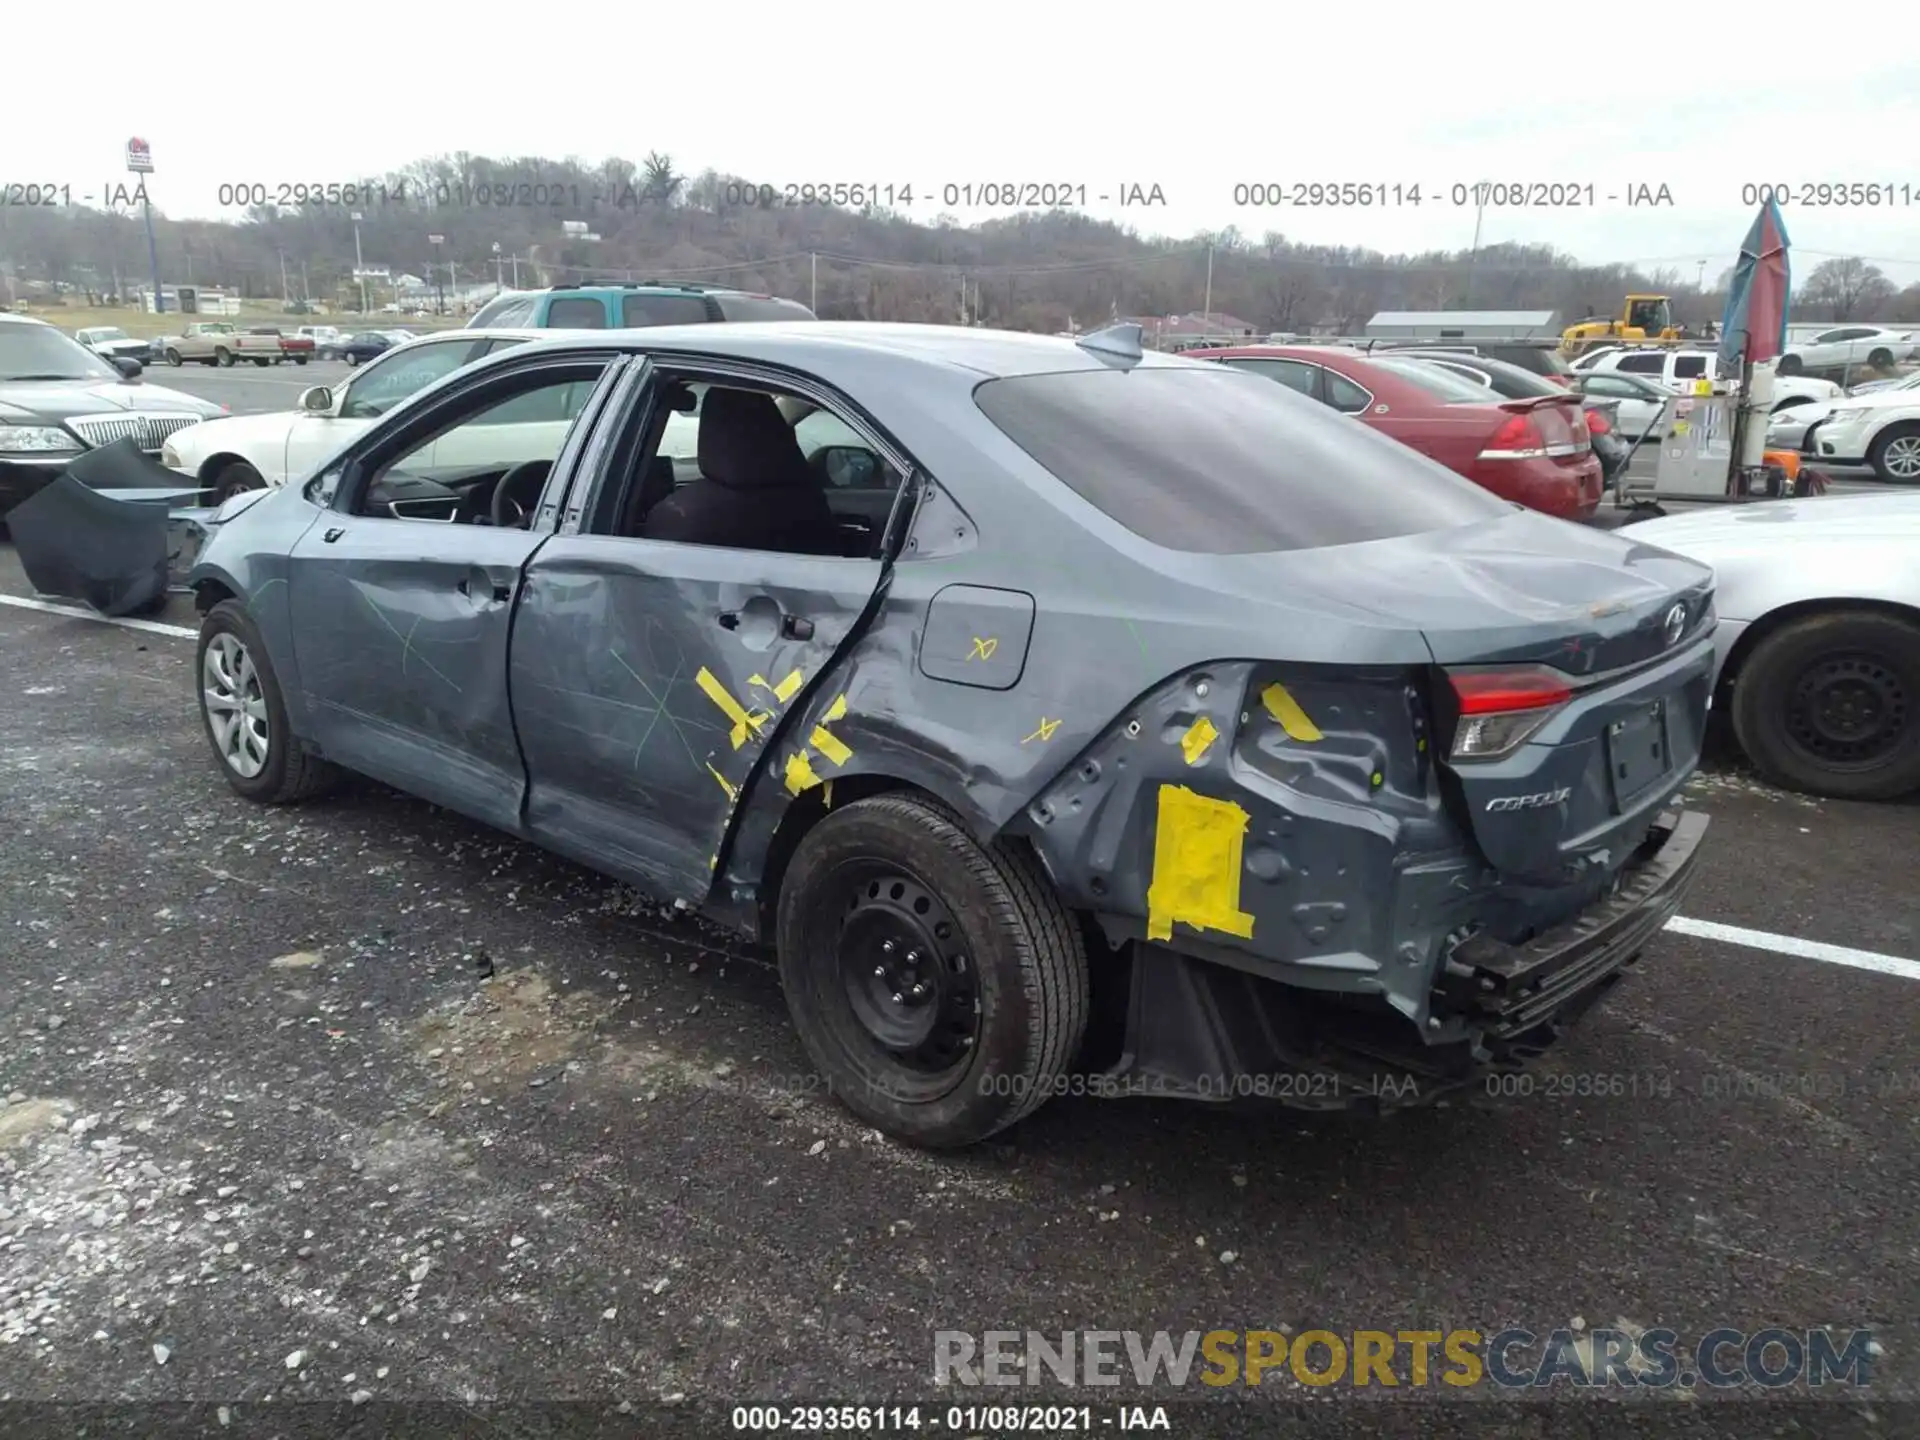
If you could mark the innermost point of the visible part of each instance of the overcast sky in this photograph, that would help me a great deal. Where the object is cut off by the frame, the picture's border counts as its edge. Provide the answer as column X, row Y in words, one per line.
column 1193, row 99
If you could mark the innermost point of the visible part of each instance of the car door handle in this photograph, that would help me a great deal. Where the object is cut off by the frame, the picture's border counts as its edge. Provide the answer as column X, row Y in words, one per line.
column 333, row 534
column 796, row 627
column 729, row 619
column 501, row 593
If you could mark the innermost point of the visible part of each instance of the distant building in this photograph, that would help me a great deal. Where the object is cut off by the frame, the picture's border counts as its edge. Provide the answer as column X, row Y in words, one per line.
column 1163, row 332
column 1463, row 324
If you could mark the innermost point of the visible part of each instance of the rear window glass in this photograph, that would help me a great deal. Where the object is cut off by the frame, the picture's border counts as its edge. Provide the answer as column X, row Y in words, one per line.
column 1689, row 367
column 577, row 312
column 641, row 310
column 1216, row 462
column 1436, row 380
column 763, row 307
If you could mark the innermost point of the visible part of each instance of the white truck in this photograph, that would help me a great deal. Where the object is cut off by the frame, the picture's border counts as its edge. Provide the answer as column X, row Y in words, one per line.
column 215, row 342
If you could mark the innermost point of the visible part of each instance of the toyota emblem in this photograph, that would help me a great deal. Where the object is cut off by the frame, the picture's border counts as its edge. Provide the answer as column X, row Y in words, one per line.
column 1676, row 624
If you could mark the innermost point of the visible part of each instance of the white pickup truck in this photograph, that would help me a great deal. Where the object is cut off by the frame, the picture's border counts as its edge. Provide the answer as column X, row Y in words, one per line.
column 214, row 342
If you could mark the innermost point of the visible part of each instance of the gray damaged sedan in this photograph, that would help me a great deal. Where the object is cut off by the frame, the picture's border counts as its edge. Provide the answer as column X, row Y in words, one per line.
column 1064, row 717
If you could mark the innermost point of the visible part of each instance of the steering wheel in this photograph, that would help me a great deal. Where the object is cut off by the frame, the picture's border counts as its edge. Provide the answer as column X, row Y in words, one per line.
column 511, row 510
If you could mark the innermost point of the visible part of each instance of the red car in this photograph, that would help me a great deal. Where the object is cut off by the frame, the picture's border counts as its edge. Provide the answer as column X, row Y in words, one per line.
column 1535, row 452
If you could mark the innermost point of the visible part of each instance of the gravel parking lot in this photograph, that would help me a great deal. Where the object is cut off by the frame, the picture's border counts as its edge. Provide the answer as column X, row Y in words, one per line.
column 358, row 1102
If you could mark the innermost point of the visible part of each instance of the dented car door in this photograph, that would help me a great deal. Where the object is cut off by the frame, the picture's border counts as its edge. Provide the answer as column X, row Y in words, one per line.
column 653, row 682
column 405, row 676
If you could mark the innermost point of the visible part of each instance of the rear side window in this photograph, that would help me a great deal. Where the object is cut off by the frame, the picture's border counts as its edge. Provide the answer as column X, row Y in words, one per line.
column 1439, row 382
column 642, row 310
column 763, row 307
column 1689, row 367
column 1213, row 462
column 1642, row 364
column 491, row 312
column 577, row 312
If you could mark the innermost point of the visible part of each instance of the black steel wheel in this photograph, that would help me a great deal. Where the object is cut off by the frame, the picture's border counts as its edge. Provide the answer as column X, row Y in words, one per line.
column 1830, row 705
column 938, row 984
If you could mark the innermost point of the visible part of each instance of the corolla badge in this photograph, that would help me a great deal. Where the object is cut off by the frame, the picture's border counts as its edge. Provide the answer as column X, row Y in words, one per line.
column 1676, row 624
column 1540, row 800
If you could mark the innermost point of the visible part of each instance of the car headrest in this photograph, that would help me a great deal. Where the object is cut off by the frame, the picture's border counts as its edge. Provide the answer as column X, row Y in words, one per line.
column 746, row 443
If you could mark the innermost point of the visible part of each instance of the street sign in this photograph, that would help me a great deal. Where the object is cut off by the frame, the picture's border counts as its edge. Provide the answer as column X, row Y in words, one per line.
column 371, row 272
column 436, row 239
column 139, row 156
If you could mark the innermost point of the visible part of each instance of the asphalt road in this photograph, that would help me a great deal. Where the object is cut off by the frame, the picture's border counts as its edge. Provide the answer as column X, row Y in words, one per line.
column 361, row 1100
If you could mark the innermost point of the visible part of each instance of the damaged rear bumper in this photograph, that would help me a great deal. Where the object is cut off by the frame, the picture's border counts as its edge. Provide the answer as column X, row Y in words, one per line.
column 1202, row 1031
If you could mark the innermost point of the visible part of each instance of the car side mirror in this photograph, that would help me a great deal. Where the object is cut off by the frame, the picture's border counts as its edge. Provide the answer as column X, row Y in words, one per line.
column 128, row 367
column 317, row 401
column 848, row 467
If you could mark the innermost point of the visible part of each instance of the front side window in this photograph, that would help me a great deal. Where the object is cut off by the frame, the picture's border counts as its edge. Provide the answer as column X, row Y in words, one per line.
column 638, row 311
column 1689, row 367
column 1294, row 374
column 1642, row 364
column 577, row 312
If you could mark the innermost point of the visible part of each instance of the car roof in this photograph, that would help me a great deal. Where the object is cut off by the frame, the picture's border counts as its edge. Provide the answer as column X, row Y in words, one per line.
column 990, row 354
column 13, row 319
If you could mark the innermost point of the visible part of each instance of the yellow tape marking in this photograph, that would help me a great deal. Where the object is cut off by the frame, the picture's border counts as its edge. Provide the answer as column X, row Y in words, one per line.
column 733, row 791
column 1284, row 708
column 782, row 692
column 1197, row 847
column 1198, row 740
column 983, row 649
column 836, row 711
column 800, row 776
column 826, row 795
column 830, row 745
column 743, row 719
column 1045, row 732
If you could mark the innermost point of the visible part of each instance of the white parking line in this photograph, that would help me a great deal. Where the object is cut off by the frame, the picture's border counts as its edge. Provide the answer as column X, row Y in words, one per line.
column 1680, row 924
column 1795, row 946
column 74, row 612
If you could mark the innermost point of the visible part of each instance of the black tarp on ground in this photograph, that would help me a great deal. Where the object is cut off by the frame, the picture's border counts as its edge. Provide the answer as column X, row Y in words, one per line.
column 78, row 544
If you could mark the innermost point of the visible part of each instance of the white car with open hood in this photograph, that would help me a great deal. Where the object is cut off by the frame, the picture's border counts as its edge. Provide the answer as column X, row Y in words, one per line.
column 247, row 452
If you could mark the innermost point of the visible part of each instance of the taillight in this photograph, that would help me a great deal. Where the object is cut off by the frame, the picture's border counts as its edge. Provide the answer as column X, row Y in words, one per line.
column 1597, row 423
column 1518, row 438
column 1500, row 708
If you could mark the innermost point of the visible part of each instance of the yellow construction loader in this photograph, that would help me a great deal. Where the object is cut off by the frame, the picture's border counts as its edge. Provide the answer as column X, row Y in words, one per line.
column 1643, row 320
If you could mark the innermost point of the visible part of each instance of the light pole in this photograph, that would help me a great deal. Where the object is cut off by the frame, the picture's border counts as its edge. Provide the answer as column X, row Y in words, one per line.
column 439, row 243
column 286, row 298
column 499, row 268
column 140, row 162
column 359, row 263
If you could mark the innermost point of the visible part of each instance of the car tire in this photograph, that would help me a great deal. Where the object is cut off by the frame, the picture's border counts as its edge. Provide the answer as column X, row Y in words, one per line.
column 172, row 357
column 263, row 362
column 1881, row 359
column 222, row 356
column 1790, row 365
column 883, row 881
column 234, row 479
column 299, row 359
column 1830, row 705
column 287, row 772
column 1895, row 454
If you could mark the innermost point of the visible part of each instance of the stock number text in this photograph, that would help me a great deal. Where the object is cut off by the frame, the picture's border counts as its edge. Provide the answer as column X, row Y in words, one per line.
column 245, row 194
column 1851, row 194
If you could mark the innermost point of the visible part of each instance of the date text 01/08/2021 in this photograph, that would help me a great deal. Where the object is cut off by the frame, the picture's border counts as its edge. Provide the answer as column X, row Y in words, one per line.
column 1491, row 194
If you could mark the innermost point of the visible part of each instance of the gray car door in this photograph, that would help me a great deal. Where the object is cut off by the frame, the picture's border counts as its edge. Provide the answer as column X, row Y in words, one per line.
column 652, row 679
column 405, row 592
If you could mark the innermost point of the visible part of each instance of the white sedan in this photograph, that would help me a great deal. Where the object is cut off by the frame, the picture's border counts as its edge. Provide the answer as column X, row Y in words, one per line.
column 1645, row 405
column 1850, row 347
column 1793, row 429
column 1818, row 646
column 247, row 452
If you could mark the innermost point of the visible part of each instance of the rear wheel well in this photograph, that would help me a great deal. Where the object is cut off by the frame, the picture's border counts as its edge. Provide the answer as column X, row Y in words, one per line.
column 1756, row 633
column 214, row 464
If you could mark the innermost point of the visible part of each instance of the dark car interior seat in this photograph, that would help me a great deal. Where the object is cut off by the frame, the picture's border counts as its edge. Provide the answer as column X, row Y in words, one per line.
column 756, row 490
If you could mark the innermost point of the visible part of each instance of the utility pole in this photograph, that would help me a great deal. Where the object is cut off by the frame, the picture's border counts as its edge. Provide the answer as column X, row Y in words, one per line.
column 359, row 262
column 439, row 249
column 499, row 268
column 140, row 162
column 286, row 299
column 813, row 285
column 1206, row 310
column 1473, row 255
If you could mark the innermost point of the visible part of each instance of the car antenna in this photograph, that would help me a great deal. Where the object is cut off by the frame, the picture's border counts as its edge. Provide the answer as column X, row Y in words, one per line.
column 1121, row 340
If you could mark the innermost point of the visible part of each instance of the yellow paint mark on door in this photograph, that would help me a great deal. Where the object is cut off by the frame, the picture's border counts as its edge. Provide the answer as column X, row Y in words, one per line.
column 983, row 649
column 1045, row 732
column 744, row 720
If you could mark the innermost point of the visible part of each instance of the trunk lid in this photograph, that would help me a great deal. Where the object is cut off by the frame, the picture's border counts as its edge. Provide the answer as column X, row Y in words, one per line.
column 1623, row 628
